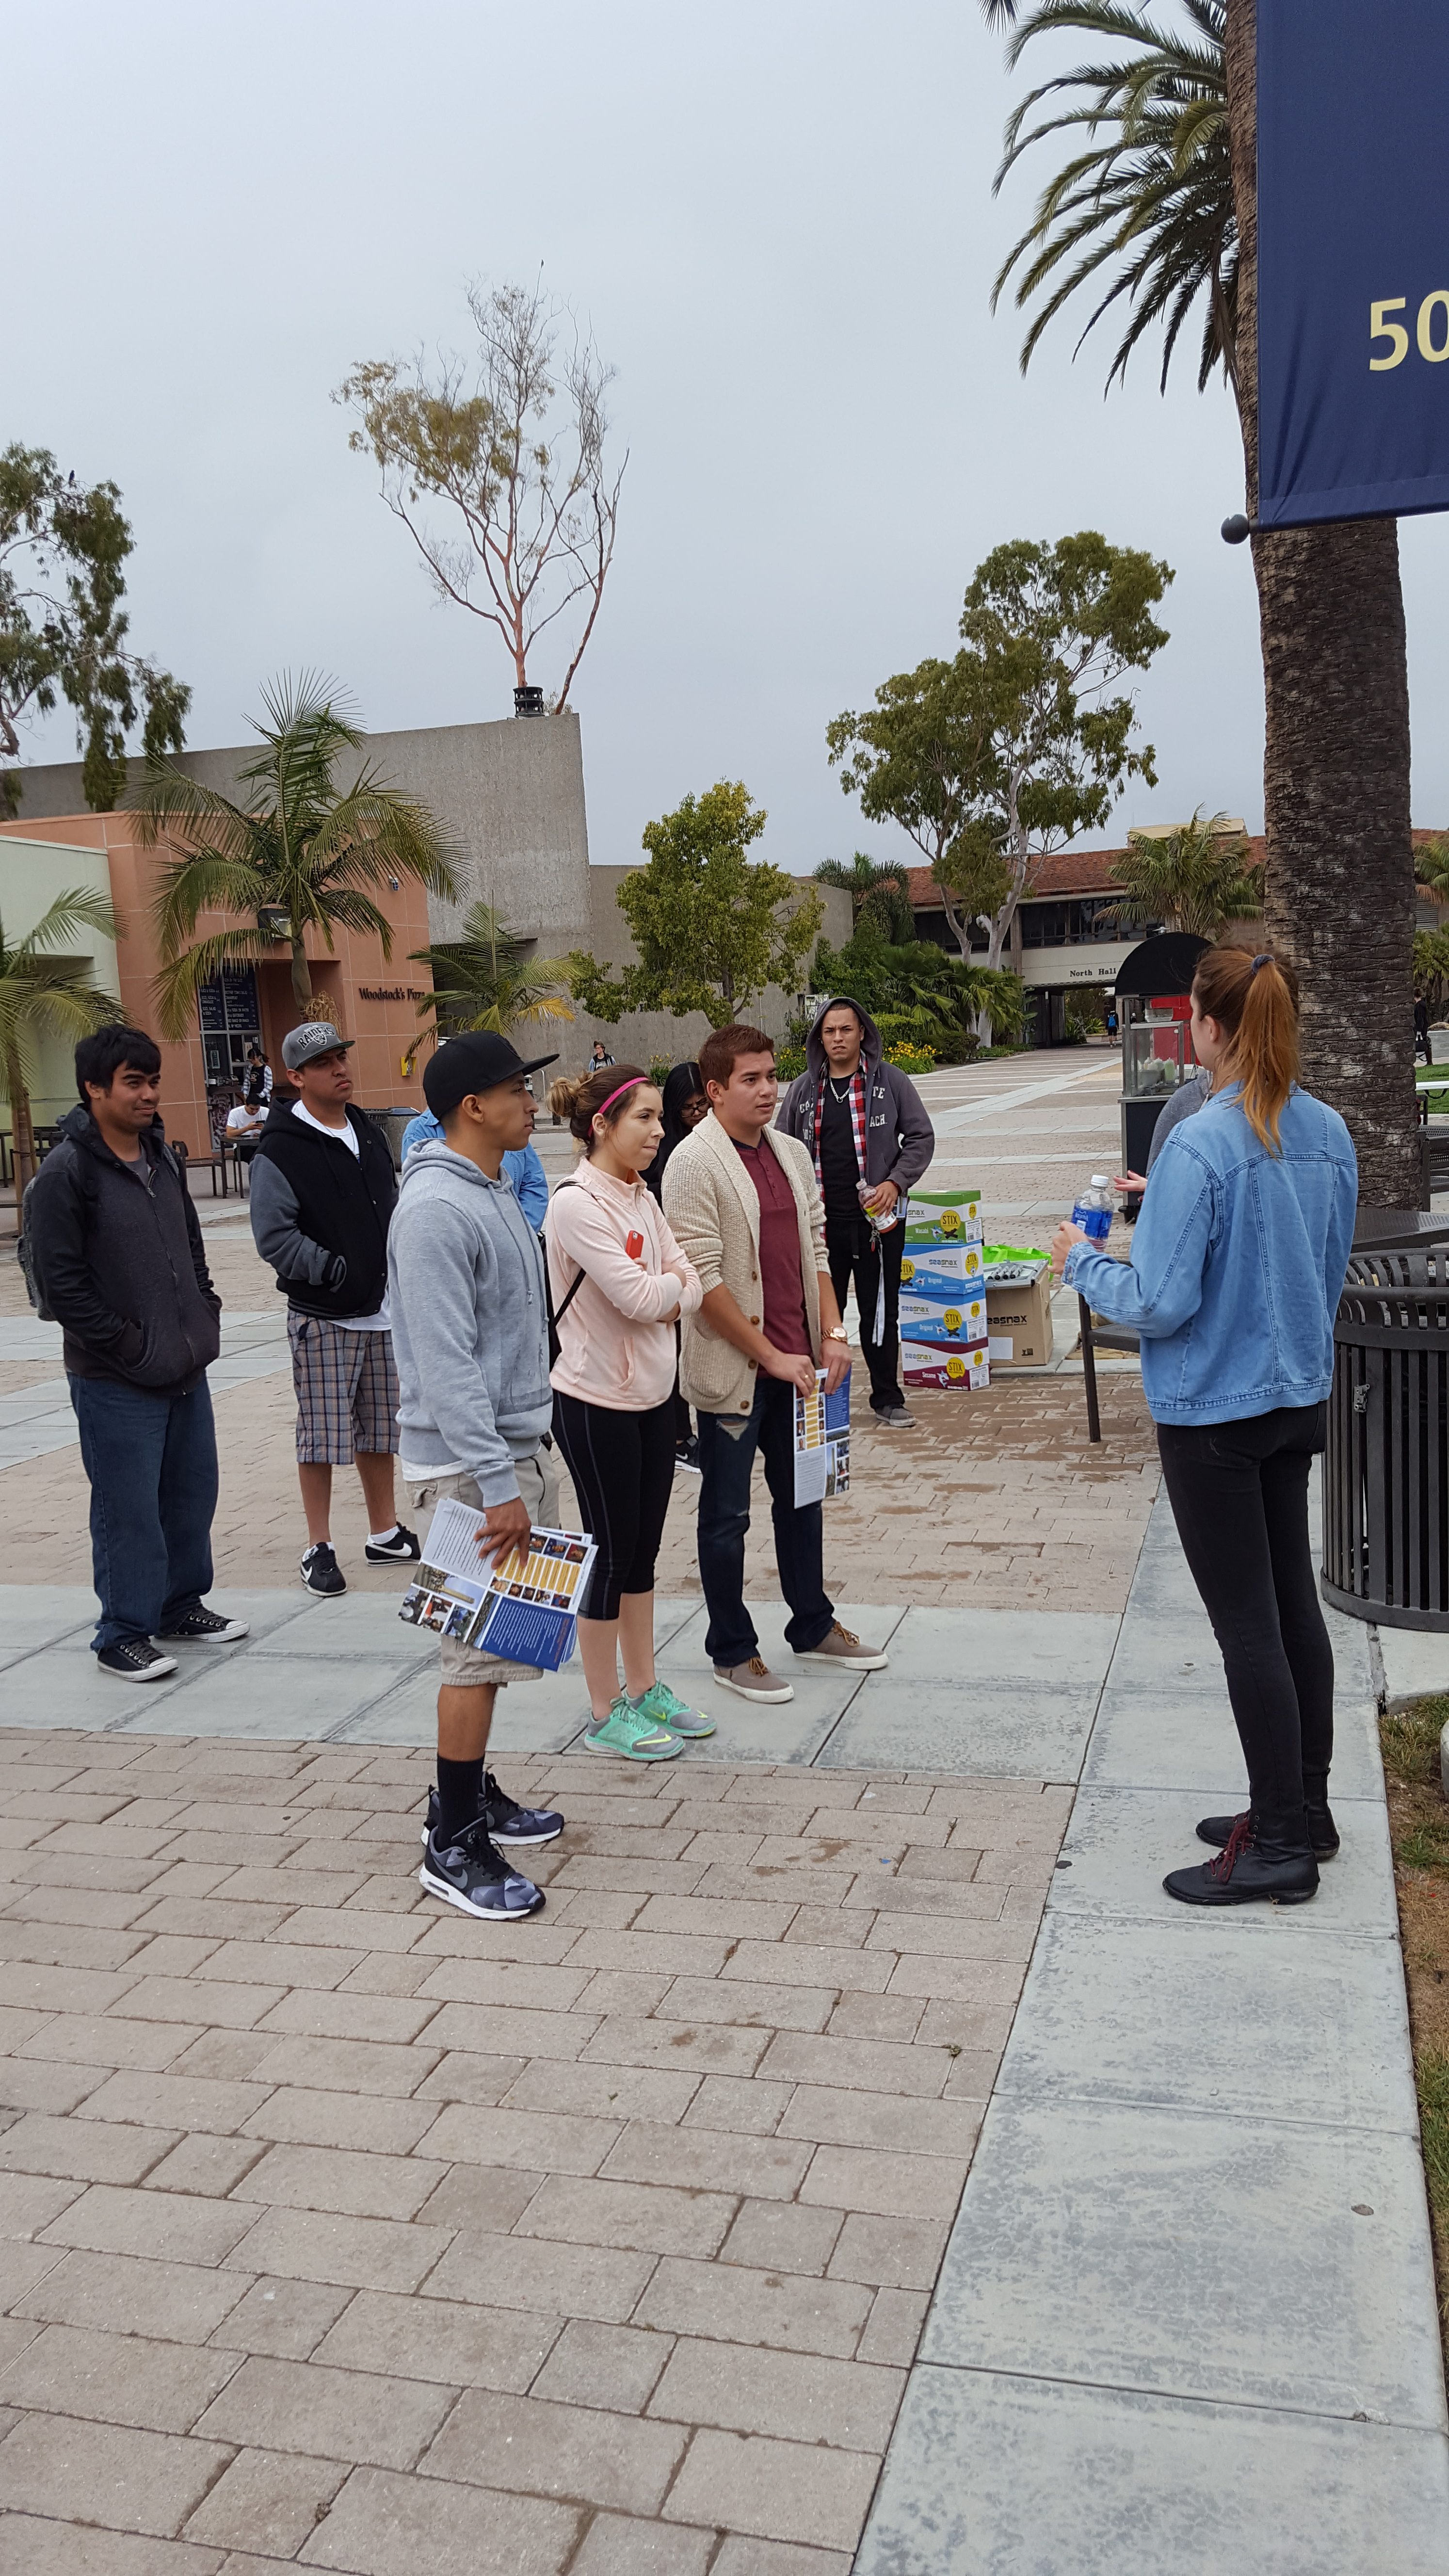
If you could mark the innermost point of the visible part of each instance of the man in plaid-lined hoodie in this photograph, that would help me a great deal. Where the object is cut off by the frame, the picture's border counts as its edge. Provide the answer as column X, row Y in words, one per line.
column 864, row 1122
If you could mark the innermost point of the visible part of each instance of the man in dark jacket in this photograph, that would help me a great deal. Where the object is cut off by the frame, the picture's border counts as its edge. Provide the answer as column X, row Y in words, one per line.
column 866, row 1125
column 323, row 1192
column 119, row 1261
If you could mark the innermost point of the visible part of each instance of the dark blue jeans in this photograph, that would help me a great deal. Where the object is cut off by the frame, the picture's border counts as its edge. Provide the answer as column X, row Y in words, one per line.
column 151, row 1460
column 727, row 1460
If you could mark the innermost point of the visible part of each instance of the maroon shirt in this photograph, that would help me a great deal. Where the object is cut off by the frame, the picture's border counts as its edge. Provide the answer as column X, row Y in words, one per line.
column 785, row 1322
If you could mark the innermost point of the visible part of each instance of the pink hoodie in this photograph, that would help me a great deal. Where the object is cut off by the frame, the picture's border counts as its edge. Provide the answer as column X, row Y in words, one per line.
column 613, row 1348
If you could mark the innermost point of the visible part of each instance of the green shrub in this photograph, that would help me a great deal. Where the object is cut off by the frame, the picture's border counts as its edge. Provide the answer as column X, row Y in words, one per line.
column 789, row 1062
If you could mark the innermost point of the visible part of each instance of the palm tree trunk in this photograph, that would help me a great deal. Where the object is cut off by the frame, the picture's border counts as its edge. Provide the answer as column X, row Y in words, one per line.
column 22, row 1129
column 1338, row 895
column 301, row 979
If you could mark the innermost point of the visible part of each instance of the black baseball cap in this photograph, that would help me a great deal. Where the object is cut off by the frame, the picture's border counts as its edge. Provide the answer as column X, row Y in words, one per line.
column 477, row 1062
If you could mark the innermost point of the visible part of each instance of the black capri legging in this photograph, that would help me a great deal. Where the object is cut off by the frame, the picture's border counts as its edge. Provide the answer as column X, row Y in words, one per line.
column 622, row 1465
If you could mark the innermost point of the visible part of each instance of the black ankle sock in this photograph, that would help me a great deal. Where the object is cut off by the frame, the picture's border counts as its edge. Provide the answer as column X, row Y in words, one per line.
column 460, row 1796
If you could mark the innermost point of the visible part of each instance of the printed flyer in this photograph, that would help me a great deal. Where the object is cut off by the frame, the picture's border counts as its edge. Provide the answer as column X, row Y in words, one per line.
column 822, row 1442
column 522, row 1607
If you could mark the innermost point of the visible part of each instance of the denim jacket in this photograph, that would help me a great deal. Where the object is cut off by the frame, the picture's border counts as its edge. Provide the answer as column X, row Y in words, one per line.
column 1237, row 1263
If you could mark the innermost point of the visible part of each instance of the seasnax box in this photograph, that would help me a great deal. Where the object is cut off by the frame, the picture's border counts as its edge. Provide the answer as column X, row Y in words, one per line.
column 1019, row 1323
column 953, row 1364
column 941, row 1269
column 943, row 1216
column 927, row 1319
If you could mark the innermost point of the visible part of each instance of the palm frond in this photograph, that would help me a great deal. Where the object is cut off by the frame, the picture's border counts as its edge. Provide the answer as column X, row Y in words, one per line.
column 78, row 909
column 1147, row 206
column 180, row 978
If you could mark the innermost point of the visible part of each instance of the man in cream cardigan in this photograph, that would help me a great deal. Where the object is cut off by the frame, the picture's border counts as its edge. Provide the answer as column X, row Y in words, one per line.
column 743, row 1203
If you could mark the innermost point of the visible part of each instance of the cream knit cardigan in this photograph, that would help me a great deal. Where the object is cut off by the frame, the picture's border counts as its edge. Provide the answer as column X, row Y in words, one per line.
column 714, row 1213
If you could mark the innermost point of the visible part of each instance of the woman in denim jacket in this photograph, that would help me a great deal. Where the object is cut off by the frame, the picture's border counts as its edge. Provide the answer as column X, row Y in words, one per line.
column 1236, row 1269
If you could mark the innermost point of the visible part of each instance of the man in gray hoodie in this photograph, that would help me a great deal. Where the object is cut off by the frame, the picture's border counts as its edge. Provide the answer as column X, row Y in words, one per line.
column 470, row 1336
column 866, row 1125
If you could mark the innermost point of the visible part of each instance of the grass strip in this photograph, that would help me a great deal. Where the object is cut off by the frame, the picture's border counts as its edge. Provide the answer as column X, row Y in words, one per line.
column 1419, row 1827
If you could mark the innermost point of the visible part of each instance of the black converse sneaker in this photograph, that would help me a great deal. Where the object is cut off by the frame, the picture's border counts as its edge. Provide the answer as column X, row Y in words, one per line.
column 403, row 1548
column 507, row 1822
column 473, row 1876
column 137, row 1661
column 205, row 1628
column 321, row 1571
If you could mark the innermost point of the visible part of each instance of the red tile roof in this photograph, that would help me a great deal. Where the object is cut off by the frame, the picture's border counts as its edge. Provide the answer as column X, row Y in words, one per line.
column 1077, row 872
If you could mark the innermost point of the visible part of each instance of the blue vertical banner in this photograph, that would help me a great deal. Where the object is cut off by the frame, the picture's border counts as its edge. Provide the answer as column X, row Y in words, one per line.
column 1353, row 259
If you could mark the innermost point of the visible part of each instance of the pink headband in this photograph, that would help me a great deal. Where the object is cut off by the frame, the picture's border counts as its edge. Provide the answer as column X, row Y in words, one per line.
column 619, row 1094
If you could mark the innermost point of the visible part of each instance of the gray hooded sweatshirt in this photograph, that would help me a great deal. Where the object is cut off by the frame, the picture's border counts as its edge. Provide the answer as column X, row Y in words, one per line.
column 469, row 1322
column 899, row 1137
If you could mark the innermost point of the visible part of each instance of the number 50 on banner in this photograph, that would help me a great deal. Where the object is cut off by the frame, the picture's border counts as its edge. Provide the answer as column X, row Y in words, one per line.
column 1433, row 315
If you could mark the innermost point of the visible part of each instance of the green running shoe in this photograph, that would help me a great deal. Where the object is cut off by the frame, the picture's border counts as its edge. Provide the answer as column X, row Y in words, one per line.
column 627, row 1730
column 668, row 1709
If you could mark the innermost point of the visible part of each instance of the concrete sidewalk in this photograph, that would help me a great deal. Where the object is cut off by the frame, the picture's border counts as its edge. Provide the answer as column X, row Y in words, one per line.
column 294, row 2169
column 1187, row 2311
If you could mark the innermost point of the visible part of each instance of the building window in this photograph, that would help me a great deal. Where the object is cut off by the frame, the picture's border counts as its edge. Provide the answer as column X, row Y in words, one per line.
column 230, row 1023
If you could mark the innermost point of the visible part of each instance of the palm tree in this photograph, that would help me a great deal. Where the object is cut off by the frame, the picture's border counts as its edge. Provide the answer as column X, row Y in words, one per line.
column 43, row 994
column 1431, row 872
column 484, row 981
column 1158, row 211
column 878, row 892
column 1197, row 878
column 298, row 854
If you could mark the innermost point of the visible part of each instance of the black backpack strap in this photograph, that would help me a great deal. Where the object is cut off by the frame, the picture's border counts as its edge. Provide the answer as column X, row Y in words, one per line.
column 557, row 1313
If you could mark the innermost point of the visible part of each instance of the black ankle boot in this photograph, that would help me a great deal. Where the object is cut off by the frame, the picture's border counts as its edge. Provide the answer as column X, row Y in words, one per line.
column 1253, row 1867
column 1322, row 1831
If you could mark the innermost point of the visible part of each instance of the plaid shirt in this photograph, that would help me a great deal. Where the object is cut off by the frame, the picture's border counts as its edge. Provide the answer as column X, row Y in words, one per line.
column 857, row 1120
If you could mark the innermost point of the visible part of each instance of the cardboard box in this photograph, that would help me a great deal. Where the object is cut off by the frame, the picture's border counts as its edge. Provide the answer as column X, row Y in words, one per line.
column 948, row 1364
column 928, row 1319
column 1019, row 1324
column 943, row 1216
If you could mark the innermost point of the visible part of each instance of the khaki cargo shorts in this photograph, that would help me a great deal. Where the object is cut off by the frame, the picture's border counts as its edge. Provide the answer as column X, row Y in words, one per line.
column 460, row 1666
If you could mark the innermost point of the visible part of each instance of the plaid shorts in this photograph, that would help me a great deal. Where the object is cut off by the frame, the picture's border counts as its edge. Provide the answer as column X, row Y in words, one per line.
column 347, row 1392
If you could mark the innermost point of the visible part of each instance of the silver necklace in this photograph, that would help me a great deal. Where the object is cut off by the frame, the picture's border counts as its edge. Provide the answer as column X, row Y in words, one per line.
column 840, row 1097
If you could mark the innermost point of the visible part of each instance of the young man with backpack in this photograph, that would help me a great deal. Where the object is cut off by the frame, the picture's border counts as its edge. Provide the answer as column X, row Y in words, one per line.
column 115, row 1252
column 323, row 1193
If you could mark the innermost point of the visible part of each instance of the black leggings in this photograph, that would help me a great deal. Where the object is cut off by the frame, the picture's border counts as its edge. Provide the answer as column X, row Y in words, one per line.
column 1239, row 1495
column 622, row 1465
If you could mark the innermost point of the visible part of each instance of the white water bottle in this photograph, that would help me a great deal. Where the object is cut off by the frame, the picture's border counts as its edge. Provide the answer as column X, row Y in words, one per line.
column 1093, row 1208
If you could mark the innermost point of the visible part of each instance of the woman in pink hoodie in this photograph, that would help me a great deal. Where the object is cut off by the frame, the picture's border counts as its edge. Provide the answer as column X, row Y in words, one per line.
column 618, row 1284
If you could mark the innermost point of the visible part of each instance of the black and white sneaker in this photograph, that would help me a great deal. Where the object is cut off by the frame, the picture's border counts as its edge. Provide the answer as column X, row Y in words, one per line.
column 403, row 1548
column 473, row 1876
column 686, row 1455
column 507, row 1822
column 321, row 1571
column 203, row 1627
column 137, row 1661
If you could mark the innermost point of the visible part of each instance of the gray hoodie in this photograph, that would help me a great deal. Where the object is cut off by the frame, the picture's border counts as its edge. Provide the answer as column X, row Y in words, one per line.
column 469, row 1322
column 899, row 1137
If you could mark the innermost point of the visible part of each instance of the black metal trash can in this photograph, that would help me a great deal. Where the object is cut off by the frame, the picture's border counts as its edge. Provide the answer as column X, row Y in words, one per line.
column 1386, row 1469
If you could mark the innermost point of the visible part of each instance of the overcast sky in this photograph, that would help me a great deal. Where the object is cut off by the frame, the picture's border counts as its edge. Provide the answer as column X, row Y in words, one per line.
column 778, row 221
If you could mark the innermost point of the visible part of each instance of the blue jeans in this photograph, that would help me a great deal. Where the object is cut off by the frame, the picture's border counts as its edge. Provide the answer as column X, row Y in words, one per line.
column 151, row 1460
column 726, row 1462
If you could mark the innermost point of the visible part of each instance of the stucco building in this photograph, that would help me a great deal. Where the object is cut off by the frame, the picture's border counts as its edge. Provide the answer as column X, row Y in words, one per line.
column 510, row 796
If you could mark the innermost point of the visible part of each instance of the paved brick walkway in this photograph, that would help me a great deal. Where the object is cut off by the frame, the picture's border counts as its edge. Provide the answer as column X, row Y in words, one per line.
column 338, row 2231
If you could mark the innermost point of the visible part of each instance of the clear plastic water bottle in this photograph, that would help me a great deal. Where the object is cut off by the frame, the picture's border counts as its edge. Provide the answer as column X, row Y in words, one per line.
column 1093, row 1208
column 882, row 1224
